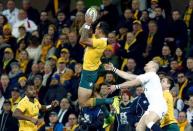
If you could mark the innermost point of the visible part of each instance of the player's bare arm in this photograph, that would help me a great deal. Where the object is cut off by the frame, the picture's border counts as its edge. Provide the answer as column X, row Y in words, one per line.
column 122, row 74
column 128, row 84
column 85, row 32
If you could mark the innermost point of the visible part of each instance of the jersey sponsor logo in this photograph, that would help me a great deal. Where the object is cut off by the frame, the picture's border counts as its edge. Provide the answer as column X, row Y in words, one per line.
column 123, row 118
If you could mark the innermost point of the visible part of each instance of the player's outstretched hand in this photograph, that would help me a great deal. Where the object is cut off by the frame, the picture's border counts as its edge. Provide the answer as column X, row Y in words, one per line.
column 108, row 66
column 111, row 89
column 55, row 103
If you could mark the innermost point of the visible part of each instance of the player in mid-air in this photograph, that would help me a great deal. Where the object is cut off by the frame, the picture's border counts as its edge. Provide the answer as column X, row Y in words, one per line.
column 95, row 46
column 150, row 81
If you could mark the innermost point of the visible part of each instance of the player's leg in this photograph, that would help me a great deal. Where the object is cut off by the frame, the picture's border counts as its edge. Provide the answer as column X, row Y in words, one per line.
column 141, row 126
column 88, row 79
column 151, row 119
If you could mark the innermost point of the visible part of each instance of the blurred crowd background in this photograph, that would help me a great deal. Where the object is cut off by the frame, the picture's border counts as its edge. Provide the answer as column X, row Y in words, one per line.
column 43, row 46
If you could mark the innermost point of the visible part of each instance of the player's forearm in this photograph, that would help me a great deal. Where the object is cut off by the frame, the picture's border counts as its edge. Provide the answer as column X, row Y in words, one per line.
column 18, row 114
column 128, row 84
column 85, row 33
column 124, row 75
column 46, row 107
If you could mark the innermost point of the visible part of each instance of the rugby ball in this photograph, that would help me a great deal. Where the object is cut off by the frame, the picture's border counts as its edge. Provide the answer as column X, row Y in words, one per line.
column 92, row 12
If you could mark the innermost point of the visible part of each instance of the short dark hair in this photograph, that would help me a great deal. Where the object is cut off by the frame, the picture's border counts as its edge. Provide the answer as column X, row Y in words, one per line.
column 170, row 81
column 104, row 27
column 29, row 83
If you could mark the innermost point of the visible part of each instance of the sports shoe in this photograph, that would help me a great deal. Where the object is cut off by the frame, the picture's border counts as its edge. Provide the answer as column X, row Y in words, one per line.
column 116, row 104
column 108, row 121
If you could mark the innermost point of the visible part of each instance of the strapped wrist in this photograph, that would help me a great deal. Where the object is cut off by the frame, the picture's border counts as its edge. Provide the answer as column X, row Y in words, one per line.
column 114, row 69
column 117, row 87
column 86, row 26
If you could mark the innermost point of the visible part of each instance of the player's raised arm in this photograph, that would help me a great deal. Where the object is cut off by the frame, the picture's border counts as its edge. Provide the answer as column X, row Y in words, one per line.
column 122, row 74
column 86, row 30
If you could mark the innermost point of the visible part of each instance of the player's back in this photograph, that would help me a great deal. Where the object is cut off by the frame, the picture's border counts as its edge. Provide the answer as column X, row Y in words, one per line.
column 93, row 54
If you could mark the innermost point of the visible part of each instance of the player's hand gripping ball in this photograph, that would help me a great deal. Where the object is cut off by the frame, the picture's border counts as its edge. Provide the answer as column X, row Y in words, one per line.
column 92, row 13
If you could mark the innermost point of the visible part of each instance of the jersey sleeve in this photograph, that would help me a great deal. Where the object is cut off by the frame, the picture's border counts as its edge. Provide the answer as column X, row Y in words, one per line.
column 144, row 78
column 22, row 105
column 98, row 42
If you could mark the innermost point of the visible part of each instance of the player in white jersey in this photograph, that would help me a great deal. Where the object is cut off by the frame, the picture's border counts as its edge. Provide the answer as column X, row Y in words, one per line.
column 150, row 81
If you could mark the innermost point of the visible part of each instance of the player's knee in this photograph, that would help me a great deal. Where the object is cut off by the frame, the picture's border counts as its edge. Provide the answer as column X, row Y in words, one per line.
column 81, row 103
column 139, row 128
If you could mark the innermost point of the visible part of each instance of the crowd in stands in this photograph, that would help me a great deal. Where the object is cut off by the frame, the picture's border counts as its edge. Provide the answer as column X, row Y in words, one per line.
column 43, row 47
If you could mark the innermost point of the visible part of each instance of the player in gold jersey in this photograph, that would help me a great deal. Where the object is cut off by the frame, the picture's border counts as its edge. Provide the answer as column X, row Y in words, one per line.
column 95, row 46
column 28, row 108
column 168, row 123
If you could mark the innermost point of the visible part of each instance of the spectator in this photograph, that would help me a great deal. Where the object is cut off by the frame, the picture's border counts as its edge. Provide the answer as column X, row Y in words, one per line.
column 173, row 71
column 75, row 49
column 55, row 90
column 166, row 56
column 72, row 123
column 154, row 41
column 15, row 98
column 8, row 38
column 8, row 122
column 160, row 20
column 189, row 64
column 52, row 31
column 151, row 10
column 189, row 112
column 34, row 49
column 179, row 56
column 8, row 58
column 178, row 102
column 3, row 45
column 1, row 7
column 80, row 7
column 177, row 32
column 63, row 42
column 22, row 45
column 24, row 62
column 23, row 34
column 62, row 21
column 188, row 19
column 32, row 13
column 112, row 40
column 11, row 12
column 183, row 84
column 78, row 21
column 139, row 33
column 137, row 107
column 14, row 74
column 135, row 5
column 53, row 61
column 131, row 48
column 58, row 5
column 34, row 71
column 23, row 20
column 22, row 85
column 44, row 23
column 47, row 48
column 108, row 11
column 182, row 121
column 65, row 110
column 47, row 75
column 126, row 20
column 54, row 124
column 131, row 67
column 3, row 21
column 5, row 86
column 109, row 56
column 123, row 119
column 2, row 99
